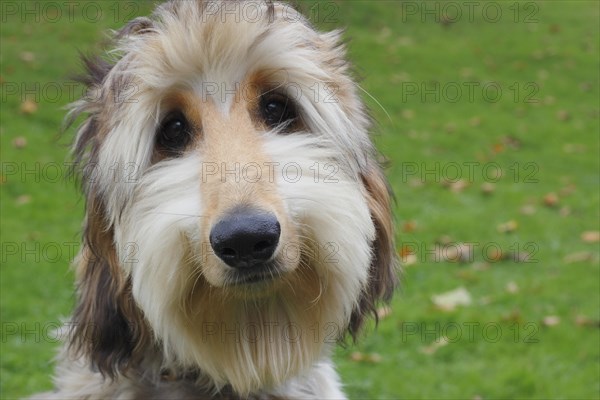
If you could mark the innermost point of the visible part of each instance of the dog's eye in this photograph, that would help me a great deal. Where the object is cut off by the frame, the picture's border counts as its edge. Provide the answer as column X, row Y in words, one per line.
column 277, row 109
column 174, row 133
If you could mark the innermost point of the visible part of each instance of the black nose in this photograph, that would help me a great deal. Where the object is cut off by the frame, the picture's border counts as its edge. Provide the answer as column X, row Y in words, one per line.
column 245, row 238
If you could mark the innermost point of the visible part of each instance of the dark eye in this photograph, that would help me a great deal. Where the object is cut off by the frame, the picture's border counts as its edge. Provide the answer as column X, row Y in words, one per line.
column 277, row 109
column 174, row 134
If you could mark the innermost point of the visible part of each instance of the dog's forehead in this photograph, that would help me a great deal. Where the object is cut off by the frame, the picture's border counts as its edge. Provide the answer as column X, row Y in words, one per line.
column 211, row 46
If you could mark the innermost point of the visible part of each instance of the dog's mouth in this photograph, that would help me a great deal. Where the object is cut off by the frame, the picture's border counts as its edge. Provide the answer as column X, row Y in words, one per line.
column 258, row 275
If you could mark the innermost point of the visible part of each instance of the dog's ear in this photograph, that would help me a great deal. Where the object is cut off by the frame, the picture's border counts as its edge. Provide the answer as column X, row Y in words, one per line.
column 136, row 26
column 108, row 327
column 384, row 261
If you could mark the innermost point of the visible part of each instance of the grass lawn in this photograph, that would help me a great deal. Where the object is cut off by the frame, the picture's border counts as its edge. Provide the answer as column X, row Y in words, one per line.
column 489, row 116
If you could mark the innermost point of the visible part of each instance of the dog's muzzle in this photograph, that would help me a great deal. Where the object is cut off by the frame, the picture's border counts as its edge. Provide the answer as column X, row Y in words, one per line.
column 246, row 239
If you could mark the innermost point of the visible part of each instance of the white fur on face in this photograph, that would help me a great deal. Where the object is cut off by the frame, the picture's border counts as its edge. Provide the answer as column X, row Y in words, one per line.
column 250, row 338
column 241, row 341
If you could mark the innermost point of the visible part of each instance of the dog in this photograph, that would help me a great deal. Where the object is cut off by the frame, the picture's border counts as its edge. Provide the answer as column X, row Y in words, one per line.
column 238, row 224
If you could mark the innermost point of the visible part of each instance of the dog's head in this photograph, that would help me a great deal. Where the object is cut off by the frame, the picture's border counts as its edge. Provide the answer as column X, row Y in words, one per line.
column 236, row 215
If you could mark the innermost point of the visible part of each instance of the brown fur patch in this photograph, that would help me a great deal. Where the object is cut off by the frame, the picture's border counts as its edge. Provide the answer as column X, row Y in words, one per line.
column 109, row 328
column 382, row 273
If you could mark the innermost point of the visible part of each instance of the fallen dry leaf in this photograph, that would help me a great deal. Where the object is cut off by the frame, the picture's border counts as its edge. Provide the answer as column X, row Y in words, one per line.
column 408, row 114
column 23, row 199
column 27, row 56
column 487, row 188
column 435, row 346
column 448, row 301
column 409, row 226
column 528, row 209
column 551, row 320
column 456, row 252
column 508, row 227
column 19, row 142
column 357, row 356
column 565, row 211
column 591, row 236
column 457, row 186
column 475, row 122
column 450, row 127
column 444, row 240
column 563, row 115
column 582, row 320
column 580, row 256
column 551, row 199
column 511, row 287
column 408, row 260
column 374, row 358
column 516, row 256
column 29, row 107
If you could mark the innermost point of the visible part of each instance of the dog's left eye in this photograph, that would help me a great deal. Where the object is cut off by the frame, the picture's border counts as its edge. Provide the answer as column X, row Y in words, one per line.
column 174, row 133
column 277, row 109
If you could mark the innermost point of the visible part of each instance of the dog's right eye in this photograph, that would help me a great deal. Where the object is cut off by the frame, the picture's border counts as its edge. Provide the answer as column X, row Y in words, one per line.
column 174, row 134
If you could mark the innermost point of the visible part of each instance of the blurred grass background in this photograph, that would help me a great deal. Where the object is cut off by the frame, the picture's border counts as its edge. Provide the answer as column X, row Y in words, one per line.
column 524, row 322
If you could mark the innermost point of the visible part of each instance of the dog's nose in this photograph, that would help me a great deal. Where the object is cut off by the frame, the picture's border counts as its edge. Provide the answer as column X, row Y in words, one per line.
column 245, row 238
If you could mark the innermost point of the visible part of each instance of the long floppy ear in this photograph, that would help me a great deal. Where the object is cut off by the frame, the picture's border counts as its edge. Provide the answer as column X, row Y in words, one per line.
column 384, row 262
column 108, row 327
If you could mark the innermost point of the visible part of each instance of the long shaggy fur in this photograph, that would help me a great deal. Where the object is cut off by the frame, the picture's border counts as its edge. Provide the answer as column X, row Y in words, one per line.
column 158, row 314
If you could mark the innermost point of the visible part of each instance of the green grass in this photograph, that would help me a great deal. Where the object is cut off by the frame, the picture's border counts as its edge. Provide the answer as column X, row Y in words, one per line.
column 553, row 143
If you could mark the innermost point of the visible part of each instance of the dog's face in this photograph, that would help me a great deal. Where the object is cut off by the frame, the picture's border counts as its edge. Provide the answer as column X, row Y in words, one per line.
column 236, row 217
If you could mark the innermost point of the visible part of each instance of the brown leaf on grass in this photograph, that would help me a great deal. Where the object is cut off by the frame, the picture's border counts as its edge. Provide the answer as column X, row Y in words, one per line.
column 28, row 107
column 475, row 122
column 565, row 211
column 516, row 256
column 487, row 188
column 498, row 148
column 19, row 142
column 580, row 256
column 27, row 56
column 582, row 320
column 450, row 127
column 408, row 114
column 512, row 142
column 455, row 186
column 409, row 226
column 357, row 356
column 415, row 182
column 551, row 200
column 513, row 316
column 444, row 240
column 508, row 226
column 373, row 358
column 568, row 190
column 551, row 320
column 512, row 287
column 435, row 346
column 454, row 252
column 448, row 301
column 23, row 199
column 528, row 209
column 408, row 260
column 591, row 236
column 495, row 254
column 563, row 115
